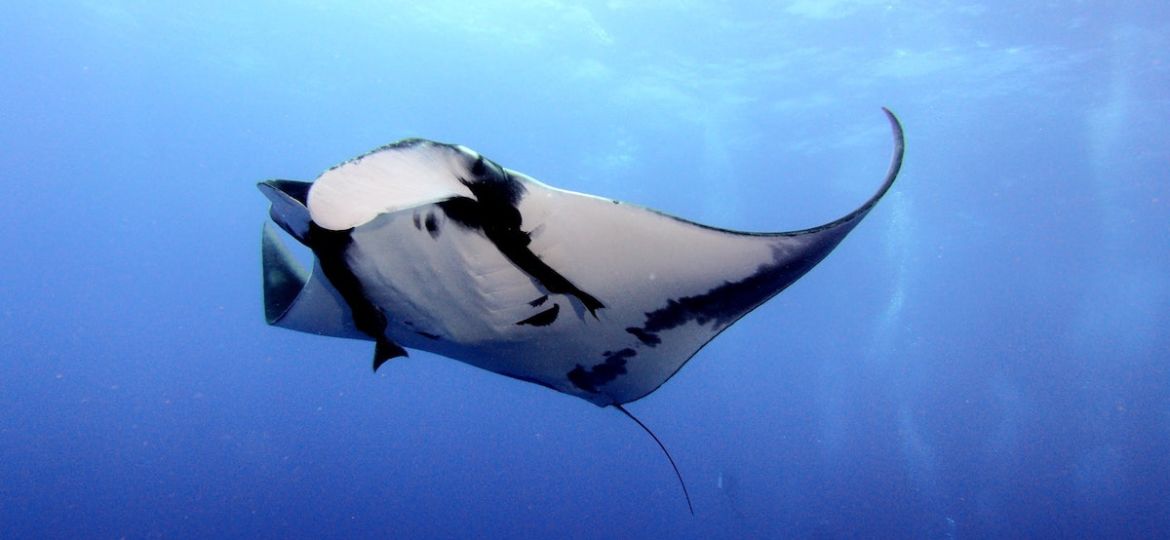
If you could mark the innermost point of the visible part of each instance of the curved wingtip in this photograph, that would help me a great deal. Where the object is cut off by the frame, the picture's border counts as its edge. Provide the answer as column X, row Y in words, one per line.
column 846, row 222
column 895, row 160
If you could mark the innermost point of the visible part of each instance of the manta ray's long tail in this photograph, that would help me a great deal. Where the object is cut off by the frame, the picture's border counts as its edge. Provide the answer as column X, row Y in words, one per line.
column 664, row 451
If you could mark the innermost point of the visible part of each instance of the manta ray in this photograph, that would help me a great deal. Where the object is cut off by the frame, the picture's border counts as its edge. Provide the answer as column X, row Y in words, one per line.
column 432, row 246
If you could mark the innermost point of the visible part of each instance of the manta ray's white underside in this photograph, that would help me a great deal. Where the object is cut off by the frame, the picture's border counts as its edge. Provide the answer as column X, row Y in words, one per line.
column 430, row 246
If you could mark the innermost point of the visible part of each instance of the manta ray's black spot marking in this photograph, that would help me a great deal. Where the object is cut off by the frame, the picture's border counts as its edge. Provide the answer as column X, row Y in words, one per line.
column 724, row 304
column 464, row 211
column 539, row 301
column 493, row 185
column 622, row 354
column 647, row 339
column 493, row 212
column 544, row 318
column 605, row 372
column 330, row 249
column 417, row 221
column 478, row 168
column 432, row 225
column 427, row 335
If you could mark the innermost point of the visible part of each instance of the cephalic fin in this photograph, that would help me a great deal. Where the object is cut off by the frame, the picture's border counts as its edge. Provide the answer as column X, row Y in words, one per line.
column 288, row 208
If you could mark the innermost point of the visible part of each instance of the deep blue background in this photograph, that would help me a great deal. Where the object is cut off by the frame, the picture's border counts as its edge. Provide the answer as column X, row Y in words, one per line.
column 987, row 355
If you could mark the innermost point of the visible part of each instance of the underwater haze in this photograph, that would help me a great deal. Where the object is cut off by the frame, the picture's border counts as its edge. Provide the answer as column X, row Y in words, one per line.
column 987, row 355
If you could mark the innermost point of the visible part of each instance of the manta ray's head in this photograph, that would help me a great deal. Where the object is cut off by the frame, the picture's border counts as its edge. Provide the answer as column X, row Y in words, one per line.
column 407, row 174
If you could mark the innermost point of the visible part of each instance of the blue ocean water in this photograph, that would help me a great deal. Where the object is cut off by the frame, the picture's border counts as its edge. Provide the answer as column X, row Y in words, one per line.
column 985, row 356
